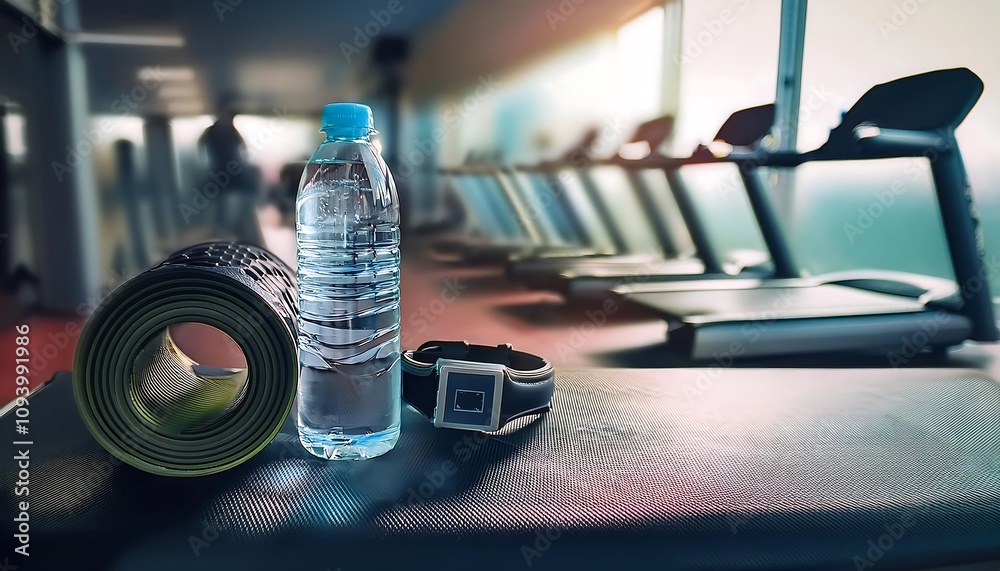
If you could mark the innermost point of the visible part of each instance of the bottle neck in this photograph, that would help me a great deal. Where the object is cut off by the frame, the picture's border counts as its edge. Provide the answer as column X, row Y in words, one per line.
column 348, row 134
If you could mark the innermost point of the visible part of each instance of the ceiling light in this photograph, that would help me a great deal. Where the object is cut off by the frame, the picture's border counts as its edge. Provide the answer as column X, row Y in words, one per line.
column 179, row 91
column 184, row 107
column 157, row 73
column 160, row 40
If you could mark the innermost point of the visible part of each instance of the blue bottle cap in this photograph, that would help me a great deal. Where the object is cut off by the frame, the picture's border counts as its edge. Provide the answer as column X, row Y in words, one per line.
column 347, row 115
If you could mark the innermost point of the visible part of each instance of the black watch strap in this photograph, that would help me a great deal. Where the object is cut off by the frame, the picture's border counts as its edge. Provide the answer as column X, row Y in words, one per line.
column 475, row 387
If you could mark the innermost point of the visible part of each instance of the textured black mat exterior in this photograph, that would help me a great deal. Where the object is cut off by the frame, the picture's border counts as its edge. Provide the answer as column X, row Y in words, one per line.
column 633, row 469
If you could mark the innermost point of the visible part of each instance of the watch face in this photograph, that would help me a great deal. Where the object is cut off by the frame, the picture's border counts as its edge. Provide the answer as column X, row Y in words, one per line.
column 469, row 398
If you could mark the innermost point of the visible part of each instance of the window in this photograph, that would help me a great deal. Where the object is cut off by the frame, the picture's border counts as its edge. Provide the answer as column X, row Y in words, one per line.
column 852, row 45
column 728, row 61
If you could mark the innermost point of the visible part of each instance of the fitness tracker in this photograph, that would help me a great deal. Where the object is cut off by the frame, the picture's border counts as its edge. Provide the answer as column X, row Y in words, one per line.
column 475, row 387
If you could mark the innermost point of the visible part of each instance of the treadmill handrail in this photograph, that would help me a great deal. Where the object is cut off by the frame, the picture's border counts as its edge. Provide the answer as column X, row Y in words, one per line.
column 868, row 148
column 872, row 139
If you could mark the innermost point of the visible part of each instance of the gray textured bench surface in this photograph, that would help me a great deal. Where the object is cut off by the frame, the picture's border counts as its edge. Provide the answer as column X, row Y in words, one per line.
column 668, row 468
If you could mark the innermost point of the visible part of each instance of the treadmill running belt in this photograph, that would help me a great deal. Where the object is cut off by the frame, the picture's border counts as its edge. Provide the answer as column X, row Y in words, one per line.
column 783, row 320
column 707, row 306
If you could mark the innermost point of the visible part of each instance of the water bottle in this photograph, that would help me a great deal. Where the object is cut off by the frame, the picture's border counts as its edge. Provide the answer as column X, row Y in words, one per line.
column 347, row 227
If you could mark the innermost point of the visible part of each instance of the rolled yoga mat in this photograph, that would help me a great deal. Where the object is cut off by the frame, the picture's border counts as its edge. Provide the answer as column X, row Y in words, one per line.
column 154, row 407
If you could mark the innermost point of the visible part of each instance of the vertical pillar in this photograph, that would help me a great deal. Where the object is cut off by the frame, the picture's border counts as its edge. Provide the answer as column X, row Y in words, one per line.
column 791, row 44
column 6, row 226
column 673, row 30
column 63, row 201
column 162, row 186
column 788, row 94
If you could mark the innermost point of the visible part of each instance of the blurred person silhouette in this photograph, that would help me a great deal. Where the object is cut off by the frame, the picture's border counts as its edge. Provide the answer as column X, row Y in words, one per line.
column 237, row 180
column 18, row 280
column 288, row 188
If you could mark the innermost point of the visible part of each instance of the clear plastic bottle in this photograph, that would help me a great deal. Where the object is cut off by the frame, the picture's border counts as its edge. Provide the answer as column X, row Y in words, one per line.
column 347, row 225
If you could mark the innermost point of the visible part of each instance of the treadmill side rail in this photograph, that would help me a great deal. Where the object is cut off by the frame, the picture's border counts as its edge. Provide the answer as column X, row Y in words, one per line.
column 899, row 334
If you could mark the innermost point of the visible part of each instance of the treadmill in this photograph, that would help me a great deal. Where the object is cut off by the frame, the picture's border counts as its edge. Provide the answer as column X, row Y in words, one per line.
column 607, row 214
column 787, row 314
column 505, row 201
column 492, row 223
column 587, row 277
column 574, row 212
column 551, row 216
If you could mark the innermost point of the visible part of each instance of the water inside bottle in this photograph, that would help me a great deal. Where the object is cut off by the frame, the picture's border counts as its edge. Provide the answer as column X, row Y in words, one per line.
column 348, row 279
